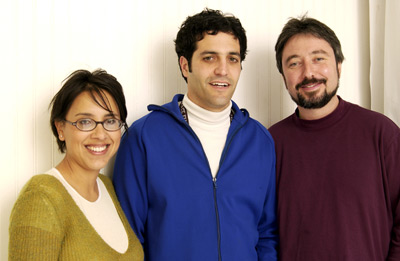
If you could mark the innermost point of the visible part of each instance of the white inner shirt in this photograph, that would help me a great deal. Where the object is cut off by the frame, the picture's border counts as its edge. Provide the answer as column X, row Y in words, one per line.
column 211, row 128
column 101, row 214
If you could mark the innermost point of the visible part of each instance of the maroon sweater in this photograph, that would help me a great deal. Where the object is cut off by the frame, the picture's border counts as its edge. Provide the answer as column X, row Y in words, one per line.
column 338, row 185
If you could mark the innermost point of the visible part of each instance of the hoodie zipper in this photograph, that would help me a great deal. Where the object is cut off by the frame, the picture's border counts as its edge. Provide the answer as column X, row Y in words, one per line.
column 217, row 217
column 214, row 179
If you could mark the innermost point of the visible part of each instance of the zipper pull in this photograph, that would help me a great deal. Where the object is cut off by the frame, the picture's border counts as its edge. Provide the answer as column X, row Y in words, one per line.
column 215, row 182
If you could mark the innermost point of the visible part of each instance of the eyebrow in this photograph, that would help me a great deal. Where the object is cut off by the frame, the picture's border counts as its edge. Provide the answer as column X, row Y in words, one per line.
column 320, row 51
column 91, row 115
column 213, row 52
column 291, row 57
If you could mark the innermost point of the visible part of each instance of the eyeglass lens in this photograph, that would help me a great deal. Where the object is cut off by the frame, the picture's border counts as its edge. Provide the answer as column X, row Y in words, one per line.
column 89, row 124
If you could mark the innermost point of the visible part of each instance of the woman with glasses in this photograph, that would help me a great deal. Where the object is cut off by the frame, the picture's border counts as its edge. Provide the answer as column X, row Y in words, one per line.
column 71, row 212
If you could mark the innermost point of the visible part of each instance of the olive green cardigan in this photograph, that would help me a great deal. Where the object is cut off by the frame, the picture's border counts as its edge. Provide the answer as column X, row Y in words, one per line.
column 46, row 224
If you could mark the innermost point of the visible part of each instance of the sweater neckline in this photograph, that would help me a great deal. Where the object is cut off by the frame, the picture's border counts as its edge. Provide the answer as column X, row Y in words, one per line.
column 79, row 197
column 324, row 122
column 67, row 197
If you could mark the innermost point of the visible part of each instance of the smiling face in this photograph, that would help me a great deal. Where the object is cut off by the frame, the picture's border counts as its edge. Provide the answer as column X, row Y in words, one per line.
column 310, row 71
column 215, row 71
column 89, row 151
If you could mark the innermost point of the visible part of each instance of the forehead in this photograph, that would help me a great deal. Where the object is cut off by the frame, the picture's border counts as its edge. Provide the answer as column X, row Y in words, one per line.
column 306, row 44
column 223, row 42
column 86, row 102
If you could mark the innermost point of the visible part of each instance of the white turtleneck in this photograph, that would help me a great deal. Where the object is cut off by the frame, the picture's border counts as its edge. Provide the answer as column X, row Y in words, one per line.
column 211, row 128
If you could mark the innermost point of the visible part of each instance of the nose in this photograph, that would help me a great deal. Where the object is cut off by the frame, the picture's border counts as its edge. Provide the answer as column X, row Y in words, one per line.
column 222, row 68
column 99, row 132
column 308, row 70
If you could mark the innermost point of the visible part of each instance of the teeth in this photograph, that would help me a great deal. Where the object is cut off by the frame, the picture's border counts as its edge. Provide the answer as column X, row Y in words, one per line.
column 219, row 84
column 310, row 86
column 97, row 149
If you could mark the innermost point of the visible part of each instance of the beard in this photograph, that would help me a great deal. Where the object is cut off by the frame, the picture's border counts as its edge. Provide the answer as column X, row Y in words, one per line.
column 310, row 100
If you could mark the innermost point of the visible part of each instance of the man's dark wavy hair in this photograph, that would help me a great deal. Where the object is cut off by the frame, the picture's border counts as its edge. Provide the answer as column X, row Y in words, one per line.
column 209, row 22
column 306, row 25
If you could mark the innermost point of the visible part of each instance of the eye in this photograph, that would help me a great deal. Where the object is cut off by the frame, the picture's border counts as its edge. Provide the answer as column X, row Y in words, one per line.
column 234, row 59
column 112, row 124
column 293, row 64
column 85, row 122
column 111, row 121
column 208, row 58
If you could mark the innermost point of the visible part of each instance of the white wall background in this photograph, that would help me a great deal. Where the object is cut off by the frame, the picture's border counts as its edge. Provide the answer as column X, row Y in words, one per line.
column 43, row 41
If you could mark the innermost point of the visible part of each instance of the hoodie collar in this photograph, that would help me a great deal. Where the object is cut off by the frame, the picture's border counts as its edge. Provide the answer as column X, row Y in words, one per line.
column 240, row 115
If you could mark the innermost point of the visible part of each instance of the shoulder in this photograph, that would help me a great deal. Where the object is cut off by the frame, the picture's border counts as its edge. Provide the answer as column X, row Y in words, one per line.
column 258, row 126
column 280, row 128
column 42, row 197
column 44, row 183
column 44, row 187
column 249, row 125
column 371, row 119
column 155, row 119
column 383, row 130
column 154, row 125
column 160, row 113
column 253, row 132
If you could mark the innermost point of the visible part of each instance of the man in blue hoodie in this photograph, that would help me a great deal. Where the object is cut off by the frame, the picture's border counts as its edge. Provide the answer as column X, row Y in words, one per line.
column 196, row 176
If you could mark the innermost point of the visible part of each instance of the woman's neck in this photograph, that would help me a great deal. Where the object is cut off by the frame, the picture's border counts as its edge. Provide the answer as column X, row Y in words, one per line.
column 84, row 182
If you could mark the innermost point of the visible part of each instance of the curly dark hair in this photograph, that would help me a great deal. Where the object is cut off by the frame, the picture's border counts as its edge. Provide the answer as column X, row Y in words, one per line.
column 96, row 83
column 306, row 25
column 209, row 22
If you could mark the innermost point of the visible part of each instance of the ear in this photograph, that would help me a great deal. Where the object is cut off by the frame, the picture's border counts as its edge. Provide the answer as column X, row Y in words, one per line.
column 60, row 129
column 184, row 64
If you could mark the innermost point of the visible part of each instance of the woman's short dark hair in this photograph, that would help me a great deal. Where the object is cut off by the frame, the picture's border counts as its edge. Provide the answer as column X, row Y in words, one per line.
column 306, row 25
column 96, row 83
column 209, row 22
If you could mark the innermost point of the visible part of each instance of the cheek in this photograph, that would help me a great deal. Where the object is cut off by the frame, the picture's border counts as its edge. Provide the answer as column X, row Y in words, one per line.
column 291, row 79
column 329, row 70
column 236, row 70
column 117, row 142
column 194, row 77
column 325, row 70
column 237, row 75
column 115, row 146
column 116, row 137
column 73, row 137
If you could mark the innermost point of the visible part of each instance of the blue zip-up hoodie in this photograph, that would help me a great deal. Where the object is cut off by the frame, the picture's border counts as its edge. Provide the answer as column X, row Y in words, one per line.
column 176, row 208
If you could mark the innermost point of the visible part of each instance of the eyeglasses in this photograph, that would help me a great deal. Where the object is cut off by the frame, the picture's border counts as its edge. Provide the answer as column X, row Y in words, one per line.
column 111, row 124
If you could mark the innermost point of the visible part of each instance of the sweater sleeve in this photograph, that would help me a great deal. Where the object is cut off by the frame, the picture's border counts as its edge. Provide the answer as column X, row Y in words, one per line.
column 267, row 244
column 35, row 230
column 392, row 166
column 129, row 178
column 268, row 237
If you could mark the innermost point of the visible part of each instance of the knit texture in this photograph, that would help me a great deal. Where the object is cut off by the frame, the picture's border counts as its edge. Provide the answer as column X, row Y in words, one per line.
column 338, row 186
column 46, row 224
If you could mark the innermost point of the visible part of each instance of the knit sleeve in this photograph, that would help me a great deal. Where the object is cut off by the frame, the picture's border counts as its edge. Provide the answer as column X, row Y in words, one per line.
column 392, row 166
column 35, row 229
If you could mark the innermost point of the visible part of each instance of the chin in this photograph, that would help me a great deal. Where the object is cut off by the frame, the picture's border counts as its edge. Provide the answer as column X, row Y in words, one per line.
column 98, row 166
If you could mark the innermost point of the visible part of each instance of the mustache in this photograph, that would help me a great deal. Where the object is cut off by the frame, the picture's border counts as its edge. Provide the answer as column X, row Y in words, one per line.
column 309, row 81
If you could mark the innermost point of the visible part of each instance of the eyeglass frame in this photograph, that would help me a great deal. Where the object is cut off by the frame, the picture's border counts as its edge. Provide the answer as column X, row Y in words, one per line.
column 121, row 124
